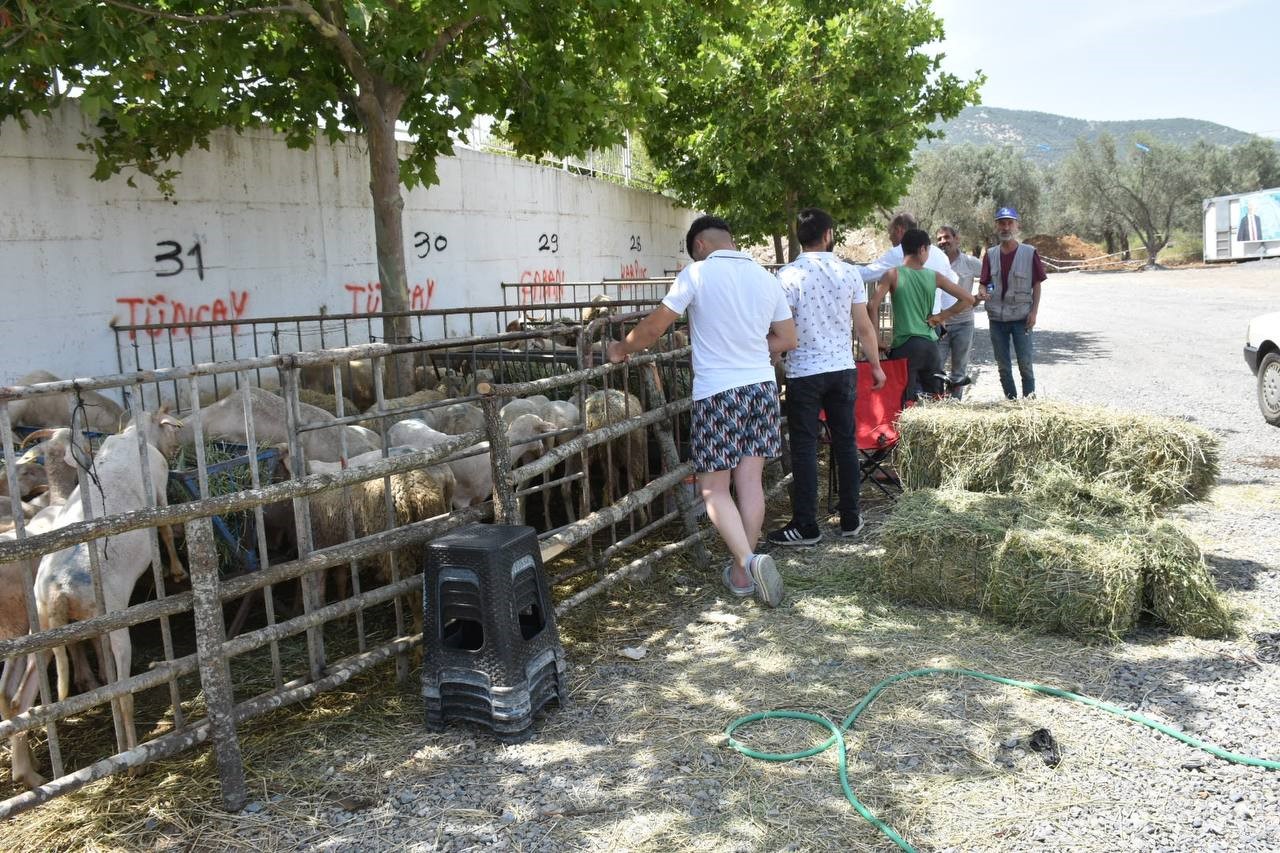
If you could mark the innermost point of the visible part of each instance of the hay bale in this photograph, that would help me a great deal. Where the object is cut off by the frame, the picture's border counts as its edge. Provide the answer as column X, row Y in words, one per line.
column 986, row 447
column 939, row 546
column 1071, row 582
column 1066, row 555
column 1179, row 591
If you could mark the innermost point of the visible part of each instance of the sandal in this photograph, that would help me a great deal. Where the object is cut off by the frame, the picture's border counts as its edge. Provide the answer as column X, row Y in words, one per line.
column 739, row 591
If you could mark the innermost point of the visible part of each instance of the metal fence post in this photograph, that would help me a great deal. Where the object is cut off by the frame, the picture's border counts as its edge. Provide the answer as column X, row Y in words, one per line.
column 215, row 672
column 506, row 510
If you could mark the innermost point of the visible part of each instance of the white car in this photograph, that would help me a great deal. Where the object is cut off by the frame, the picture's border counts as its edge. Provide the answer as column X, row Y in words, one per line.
column 1262, row 353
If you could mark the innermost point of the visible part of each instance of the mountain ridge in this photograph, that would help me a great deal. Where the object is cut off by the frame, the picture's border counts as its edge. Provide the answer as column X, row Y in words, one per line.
column 1048, row 137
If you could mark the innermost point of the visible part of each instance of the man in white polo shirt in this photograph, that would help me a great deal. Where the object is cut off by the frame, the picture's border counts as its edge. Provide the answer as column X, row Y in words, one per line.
column 738, row 317
column 828, row 302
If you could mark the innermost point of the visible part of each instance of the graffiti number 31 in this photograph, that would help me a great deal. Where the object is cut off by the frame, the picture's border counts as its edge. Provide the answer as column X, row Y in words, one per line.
column 174, row 256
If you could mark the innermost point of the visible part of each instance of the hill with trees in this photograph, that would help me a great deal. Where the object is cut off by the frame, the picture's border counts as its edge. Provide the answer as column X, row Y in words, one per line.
column 1046, row 138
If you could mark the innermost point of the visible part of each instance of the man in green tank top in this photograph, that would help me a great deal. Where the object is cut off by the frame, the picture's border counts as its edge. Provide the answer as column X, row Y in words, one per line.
column 913, row 289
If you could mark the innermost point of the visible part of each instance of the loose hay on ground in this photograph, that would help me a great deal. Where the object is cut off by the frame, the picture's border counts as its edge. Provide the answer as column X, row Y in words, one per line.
column 985, row 447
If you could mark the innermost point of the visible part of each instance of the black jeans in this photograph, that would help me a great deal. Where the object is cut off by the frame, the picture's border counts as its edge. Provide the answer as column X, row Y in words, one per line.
column 806, row 395
column 923, row 365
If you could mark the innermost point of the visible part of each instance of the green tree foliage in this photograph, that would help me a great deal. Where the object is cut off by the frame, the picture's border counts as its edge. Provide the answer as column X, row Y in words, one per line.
column 796, row 104
column 1147, row 186
column 963, row 185
column 159, row 76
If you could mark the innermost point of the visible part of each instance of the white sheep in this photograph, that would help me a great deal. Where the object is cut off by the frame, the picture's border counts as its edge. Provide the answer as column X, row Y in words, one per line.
column 629, row 453
column 455, row 419
column 225, row 420
column 18, row 683
column 102, row 414
column 475, row 473
column 64, row 587
column 320, row 467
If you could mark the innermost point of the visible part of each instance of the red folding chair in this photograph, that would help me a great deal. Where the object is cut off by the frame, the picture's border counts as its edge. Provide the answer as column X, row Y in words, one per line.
column 875, row 413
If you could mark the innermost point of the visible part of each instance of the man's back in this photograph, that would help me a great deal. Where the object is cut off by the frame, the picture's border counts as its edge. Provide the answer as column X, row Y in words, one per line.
column 731, row 301
column 821, row 290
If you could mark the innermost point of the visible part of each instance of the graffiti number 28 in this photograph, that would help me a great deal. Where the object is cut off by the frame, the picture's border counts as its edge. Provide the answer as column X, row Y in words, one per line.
column 174, row 257
column 635, row 243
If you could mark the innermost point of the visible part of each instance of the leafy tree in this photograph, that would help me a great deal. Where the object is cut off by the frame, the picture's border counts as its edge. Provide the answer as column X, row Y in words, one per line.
column 963, row 185
column 799, row 103
column 159, row 76
column 1255, row 165
column 1150, row 187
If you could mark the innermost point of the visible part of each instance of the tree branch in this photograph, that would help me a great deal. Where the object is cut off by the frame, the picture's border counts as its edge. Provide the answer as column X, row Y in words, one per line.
column 341, row 42
column 450, row 33
column 198, row 19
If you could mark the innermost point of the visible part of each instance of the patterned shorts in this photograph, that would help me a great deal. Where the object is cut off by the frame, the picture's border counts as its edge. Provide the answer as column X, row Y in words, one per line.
column 735, row 424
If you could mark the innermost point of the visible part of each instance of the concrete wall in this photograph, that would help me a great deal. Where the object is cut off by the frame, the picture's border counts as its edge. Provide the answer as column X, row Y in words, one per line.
column 256, row 229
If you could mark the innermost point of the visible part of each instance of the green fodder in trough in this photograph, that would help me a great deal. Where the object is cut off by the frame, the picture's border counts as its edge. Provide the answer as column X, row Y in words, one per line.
column 985, row 447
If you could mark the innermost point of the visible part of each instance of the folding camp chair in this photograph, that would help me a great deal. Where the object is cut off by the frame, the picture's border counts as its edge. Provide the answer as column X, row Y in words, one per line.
column 876, row 413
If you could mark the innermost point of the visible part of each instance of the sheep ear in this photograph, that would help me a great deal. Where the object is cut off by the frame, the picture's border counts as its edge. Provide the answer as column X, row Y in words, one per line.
column 168, row 420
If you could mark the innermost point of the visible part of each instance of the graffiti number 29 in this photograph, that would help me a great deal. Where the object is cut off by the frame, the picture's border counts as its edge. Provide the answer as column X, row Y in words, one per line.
column 548, row 242
column 174, row 257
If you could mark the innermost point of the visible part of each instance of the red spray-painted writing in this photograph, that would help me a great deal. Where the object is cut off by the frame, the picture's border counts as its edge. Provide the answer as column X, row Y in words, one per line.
column 634, row 271
column 160, row 308
column 541, row 285
column 367, row 298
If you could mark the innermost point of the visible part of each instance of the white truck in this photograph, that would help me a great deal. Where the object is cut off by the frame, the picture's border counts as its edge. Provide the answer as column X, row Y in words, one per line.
column 1262, row 354
column 1242, row 226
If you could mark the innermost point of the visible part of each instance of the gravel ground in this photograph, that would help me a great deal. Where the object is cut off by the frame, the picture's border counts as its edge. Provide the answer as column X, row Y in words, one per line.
column 634, row 761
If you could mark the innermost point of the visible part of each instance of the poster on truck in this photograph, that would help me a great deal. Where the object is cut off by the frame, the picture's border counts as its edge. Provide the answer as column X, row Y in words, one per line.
column 1259, row 218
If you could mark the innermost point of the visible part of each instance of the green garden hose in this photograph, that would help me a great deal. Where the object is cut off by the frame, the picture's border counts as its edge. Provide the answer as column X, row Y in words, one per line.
column 837, row 733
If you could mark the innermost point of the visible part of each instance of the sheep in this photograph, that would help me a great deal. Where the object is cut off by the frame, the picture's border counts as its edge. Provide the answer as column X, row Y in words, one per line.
column 455, row 419
column 357, row 381
column 357, row 461
column 59, row 465
column 416, row 434
column 63, row 588
column 415, row 495
column 32, row 479
column 629, row 452
column 101, row 414
column 475, row 473
column 18, row 684
column 225, row 420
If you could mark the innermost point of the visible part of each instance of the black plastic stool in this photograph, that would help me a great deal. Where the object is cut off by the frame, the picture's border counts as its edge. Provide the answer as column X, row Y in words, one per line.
column 492, row 655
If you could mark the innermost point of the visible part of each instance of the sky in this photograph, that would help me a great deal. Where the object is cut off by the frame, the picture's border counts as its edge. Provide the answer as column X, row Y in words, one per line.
column 1121, row 59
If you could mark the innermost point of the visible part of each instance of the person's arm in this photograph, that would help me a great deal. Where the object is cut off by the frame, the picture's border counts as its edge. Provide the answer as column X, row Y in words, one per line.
column 782, row 336
column 984, row 277
column 963, row 299
column 1038, row 275
column 878, row 268
column 644, row 335
column 887, row 285
column 870, row 340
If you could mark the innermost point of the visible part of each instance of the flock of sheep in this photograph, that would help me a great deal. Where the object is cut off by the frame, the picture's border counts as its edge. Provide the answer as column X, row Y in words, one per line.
column 49, row 474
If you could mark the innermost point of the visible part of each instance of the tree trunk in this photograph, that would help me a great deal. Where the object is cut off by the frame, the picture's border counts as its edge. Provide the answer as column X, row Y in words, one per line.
column 388, row 230
column 789, row 209
column 777, row 249
column 1124, row 245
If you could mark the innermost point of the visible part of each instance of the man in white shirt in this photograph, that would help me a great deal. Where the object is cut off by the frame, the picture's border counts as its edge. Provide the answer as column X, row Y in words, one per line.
column 738, row 318
column 828, row 302
column 892, row 259
column 958, row 341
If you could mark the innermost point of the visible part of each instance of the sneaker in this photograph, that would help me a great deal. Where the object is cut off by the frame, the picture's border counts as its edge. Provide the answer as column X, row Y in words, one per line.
column 793, row 535
column 851, row 527
column 738, row 591
column 764, row 574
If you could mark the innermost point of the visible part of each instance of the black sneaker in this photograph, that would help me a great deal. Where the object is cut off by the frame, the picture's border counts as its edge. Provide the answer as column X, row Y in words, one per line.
column 793, row 535
column 850, row 527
